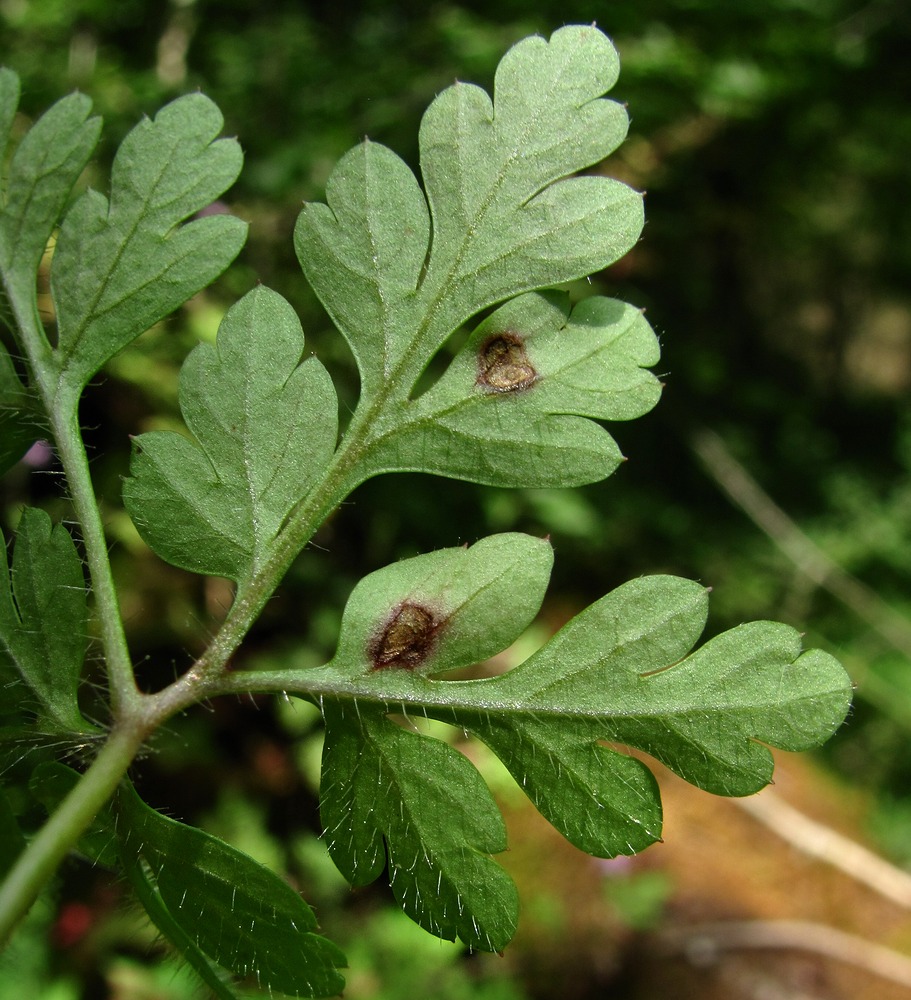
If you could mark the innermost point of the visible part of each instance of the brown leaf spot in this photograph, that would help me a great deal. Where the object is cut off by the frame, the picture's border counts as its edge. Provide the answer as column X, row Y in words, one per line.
column 406, row 639
column 503, row 364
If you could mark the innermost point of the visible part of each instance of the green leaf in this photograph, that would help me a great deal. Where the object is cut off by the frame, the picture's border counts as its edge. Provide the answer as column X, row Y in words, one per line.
column 265, row 427
column 143, row 884
column 511, row 408
column 121, row 266
column 363, row 253
column 501, row 224
column 382, row 783
column 43, row 617
column 233, row 909
column 424, row 615
column 43, row 170
column 505, row 218
column 444, row 610
column 20, row 425
column 621, row 667
column 620, row 673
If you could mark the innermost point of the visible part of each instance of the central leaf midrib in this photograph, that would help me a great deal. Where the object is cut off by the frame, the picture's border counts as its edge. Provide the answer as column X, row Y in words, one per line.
column 123, row 246
column 447, row 284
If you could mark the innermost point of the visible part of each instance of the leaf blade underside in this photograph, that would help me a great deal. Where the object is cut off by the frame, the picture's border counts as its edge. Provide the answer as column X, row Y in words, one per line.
column 122, row 264
column 623, row 672
column 505, row 218
column 233, row 909
column 44, row 617
column 43, row 170
column 264, row 420
column 517, row 404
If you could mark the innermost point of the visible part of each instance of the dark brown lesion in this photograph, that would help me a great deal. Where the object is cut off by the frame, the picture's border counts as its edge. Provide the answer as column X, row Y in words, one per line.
column 407, row 638
column 503, row 364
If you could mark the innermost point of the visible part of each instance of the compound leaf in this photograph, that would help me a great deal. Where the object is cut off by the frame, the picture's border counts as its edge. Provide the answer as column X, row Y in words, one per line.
column 121, row 266
column 233, row 909
column 265, row 426
column 43, row 617
column 504, row 220
column 620, row 673
column 512, row 408
column 42, row 172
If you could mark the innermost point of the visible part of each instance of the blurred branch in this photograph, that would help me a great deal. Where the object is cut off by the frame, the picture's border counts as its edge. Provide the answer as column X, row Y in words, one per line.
column 703, row 943
column 806, row 555
column 819, row 841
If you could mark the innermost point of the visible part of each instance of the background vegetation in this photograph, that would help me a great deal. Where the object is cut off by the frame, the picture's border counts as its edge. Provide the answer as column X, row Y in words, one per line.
column 773, row 140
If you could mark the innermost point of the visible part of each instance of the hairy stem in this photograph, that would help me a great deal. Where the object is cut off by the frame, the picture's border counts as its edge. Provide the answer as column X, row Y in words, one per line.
column 341, row 477
column 61, row 403
column 124, row 693
column 35, row 865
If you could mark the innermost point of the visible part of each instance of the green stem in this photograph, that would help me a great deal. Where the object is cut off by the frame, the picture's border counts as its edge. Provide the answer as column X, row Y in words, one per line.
column 61, row 403
column 35, row 865
column 125, row 696
column 340, row 479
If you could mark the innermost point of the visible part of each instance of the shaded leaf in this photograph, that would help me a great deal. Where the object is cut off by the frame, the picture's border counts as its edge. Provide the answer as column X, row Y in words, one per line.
column 121, row 266
column 265, row 427
column 384, row 785
column 233, row 909
column 11, row 839
column 143, row 884
column 43, row 616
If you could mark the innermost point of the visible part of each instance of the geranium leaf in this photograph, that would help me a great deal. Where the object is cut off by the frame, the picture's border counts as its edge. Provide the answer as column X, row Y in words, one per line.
column 122, row 265
column 20, row 423
column 621, row 673
column 233, row 909
column 265, row 426
column 383, row 785
column 43, row 617
column 512, row 409
column 505, row 219
column 444, row 610
column 42, row 172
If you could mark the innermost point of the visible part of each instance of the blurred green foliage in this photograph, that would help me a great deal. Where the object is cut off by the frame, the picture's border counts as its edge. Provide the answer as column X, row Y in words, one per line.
column 772, row 139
